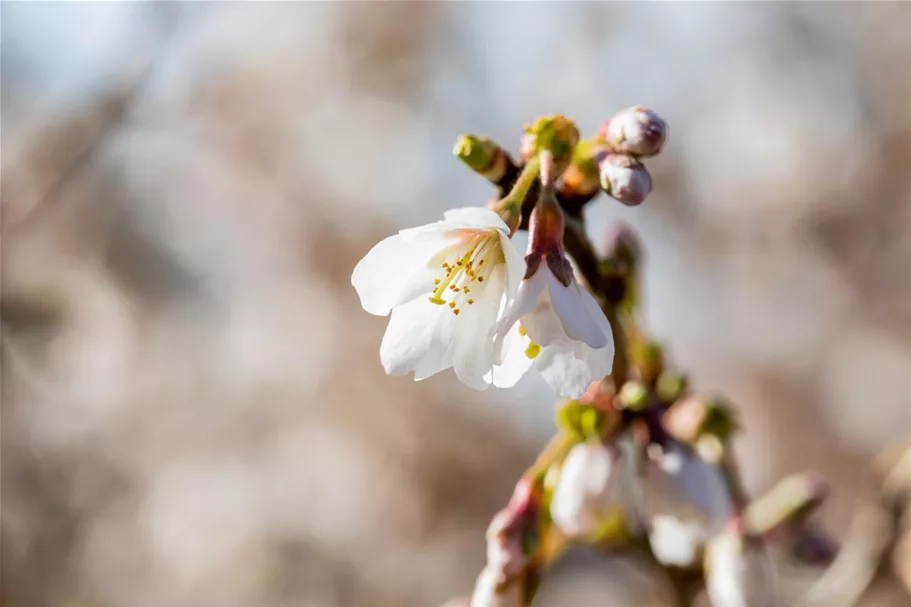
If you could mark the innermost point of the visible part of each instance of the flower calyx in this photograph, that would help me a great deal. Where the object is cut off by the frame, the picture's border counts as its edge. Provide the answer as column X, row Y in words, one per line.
column 546, row 227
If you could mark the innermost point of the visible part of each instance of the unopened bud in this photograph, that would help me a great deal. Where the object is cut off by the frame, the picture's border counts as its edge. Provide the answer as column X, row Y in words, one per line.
column 738, row 570
column 482, row 156
column 493, row 589
column 622, row 245
column 557, row 134
column 624, row 178
column 791, row 501
column 670, row 385
column 648, row 356
column 633, row 395
column 585, row 494
column 581, row 178
column 636, row 130
column 582, row 420
column 511, row 539
column 505, row 548
column 674, row 542
column 693, row 416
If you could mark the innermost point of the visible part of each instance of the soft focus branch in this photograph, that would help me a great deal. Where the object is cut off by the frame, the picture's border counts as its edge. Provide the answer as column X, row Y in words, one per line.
column 875, row 530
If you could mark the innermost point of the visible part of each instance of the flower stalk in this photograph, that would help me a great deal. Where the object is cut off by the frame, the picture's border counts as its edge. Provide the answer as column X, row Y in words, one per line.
column 509, row 208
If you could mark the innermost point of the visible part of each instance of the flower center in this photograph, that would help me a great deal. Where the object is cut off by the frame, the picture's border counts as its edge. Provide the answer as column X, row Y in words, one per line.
column 464, row 269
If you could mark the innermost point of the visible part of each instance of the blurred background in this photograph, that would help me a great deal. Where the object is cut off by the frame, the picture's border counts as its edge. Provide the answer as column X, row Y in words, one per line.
column 193, row 408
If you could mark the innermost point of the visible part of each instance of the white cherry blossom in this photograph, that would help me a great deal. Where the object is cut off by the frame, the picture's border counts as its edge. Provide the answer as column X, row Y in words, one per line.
column 558, row 328
column 444, row 285
column 585, row 491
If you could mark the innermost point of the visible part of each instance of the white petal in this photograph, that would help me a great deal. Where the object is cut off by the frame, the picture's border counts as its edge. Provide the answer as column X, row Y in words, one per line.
column 600, row 319
column 575, row 316
column 527, row 299
column 585, row 489
column 473, row 355
column 477, row 219
column 513, row 362
column 392, row 272
column 515, row 265
column 419, row 338
column 599, row 361
column 543, row 324
column 567, row 375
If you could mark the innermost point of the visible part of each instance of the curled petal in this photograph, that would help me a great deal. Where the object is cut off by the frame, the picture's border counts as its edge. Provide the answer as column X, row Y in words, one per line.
column 575, row 314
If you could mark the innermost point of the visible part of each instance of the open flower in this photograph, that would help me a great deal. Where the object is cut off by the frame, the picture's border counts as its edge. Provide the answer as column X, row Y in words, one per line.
column 552, row 322
column 445, row 284
column 556, row 325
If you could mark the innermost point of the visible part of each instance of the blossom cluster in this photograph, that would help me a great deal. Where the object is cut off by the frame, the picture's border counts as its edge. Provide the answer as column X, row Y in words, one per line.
column 639, row 461
column 461, row 295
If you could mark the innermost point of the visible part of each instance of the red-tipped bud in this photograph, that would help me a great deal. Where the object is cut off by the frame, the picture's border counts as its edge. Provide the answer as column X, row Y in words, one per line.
column 636, row 130
column 624, row 178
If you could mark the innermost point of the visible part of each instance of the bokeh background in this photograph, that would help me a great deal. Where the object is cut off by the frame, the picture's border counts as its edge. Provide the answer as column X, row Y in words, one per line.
column 193, row 409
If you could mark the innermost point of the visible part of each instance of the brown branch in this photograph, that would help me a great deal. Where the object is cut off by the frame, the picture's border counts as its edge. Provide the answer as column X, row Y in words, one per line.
column 865, row 556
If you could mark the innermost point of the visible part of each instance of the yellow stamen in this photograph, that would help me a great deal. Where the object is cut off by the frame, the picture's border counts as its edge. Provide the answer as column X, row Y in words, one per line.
column 457, row 276
column 522, row 331
column 532, row 350
column 456, row 312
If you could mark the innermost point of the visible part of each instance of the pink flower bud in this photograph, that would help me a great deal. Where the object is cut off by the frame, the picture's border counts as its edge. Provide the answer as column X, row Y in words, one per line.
column 493, row 589
column 622, row 244
column 624, row 178
column 635, row 130
column 585, row 489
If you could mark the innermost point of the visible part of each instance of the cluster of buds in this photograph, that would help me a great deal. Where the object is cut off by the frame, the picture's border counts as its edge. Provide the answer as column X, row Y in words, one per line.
column 631, row 135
